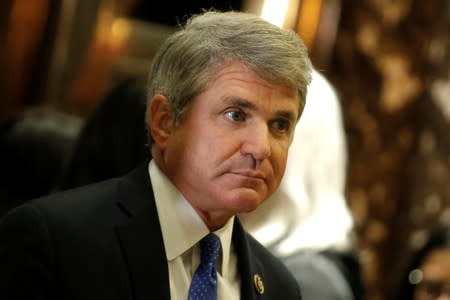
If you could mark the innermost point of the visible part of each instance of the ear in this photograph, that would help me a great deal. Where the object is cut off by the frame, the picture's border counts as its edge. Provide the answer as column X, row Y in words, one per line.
column 161, row 123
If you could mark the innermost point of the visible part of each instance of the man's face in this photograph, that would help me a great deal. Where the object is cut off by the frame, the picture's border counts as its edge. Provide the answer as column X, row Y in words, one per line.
column 229, row 152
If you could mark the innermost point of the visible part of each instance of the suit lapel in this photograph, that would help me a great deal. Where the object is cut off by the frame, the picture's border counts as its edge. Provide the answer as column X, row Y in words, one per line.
column 141, row 238
column 248, row 265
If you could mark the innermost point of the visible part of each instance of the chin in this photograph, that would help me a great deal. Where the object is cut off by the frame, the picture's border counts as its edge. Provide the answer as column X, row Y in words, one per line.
column 244, row 201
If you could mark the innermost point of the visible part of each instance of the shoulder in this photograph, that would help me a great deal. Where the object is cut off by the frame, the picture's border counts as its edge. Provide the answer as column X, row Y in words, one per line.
column 58, row 214
column 92, row 203
column 89, row 208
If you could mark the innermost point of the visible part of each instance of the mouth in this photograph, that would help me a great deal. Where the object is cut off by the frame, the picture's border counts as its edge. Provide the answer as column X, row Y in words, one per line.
column 250, row 174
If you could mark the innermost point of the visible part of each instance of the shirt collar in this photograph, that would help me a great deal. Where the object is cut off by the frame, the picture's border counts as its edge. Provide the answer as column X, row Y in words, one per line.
column 181, row 226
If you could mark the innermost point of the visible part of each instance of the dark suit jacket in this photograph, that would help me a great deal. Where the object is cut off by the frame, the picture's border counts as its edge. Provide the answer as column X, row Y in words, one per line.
column 103, row 241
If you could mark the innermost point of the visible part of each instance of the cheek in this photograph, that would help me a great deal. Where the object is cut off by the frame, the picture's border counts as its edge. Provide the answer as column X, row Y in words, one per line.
column 279, row 158
column 202, row 154
column 278, row 164
column 220, row 147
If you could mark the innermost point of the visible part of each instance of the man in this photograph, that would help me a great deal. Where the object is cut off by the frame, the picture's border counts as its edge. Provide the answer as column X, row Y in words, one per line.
column 225, row 94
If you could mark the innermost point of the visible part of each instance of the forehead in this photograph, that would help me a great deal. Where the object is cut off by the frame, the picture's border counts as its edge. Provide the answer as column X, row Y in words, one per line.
column 237, row 77
column 235, row 69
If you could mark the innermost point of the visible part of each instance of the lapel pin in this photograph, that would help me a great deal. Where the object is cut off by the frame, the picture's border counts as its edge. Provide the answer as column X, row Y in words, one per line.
column 259, row 285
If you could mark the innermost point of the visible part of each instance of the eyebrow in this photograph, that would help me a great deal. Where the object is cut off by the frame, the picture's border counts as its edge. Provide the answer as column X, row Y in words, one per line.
column 241, row 103
column 249, row 105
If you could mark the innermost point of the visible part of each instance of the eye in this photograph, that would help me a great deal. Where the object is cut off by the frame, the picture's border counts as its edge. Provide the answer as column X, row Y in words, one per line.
column 281, row 125
column 235, row 115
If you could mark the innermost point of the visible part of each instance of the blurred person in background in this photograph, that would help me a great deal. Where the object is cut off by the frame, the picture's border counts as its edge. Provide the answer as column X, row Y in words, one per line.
column 34, row 148
column 113, row 140
column 427, row 276
column 307, row 222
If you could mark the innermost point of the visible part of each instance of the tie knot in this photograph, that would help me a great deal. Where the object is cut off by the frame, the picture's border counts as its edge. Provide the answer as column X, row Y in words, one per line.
column 209, row 248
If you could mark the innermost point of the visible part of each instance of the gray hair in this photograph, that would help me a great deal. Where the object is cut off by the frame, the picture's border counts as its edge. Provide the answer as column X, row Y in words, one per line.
column 189, row 59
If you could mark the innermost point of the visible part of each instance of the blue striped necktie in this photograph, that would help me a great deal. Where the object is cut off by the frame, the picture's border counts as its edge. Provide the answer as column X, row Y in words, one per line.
column 204, row 281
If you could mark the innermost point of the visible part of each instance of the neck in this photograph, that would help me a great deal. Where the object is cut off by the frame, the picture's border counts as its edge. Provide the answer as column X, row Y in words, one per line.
column 214, row 221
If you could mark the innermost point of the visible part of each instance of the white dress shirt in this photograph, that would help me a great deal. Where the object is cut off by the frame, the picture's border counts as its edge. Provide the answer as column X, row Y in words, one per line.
column 182, row 229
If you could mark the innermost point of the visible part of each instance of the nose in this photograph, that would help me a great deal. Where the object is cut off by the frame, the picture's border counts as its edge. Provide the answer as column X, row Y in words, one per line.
column 256, row 142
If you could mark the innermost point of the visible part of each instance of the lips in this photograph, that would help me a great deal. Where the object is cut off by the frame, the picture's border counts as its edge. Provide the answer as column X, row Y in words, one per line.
column 250, row 174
